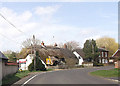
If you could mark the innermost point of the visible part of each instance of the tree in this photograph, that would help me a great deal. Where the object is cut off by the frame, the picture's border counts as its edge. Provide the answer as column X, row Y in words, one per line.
column 24, row 52
column 71, row 45
column 27, row 43
column 91, row 51
column 12, row 56
column 39, row 65
column 108, row 43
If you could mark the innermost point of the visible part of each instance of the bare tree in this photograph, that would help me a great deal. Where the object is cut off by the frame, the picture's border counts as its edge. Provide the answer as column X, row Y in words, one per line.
column 107, row 42
column 71, row 45
column 27, row 43
column 61, row 45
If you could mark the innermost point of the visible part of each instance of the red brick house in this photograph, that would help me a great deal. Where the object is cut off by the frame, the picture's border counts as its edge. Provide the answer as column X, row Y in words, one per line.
column 115, row 56
column 103, row 57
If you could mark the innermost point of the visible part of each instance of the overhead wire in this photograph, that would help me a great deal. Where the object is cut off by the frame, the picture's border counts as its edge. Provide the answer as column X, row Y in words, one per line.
column 11, row 23
column 13, row 26
column 10, row 39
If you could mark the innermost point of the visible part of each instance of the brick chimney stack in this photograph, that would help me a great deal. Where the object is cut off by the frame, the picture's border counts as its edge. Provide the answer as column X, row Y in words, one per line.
column 42, row 43
column 55, row 44
column 65, row 46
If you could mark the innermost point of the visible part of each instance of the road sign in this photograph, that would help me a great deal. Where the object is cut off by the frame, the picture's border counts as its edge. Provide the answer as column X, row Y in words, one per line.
column 48, row 61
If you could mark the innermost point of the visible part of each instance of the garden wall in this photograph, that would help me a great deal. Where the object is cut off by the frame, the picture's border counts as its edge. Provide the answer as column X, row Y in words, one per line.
column 8, row 69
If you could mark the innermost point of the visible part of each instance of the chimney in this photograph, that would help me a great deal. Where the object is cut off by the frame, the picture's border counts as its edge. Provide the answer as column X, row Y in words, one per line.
column 55, row 44
column 42, row 43
column 65, row 46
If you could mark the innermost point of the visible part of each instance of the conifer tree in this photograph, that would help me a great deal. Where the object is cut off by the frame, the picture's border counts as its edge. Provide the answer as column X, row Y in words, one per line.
column 91, row 51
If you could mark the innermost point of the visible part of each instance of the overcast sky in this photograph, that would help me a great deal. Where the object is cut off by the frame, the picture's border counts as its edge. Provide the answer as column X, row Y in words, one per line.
column 65, row 21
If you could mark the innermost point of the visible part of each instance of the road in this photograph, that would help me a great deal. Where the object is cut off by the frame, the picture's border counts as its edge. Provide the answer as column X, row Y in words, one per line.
column 71, row 76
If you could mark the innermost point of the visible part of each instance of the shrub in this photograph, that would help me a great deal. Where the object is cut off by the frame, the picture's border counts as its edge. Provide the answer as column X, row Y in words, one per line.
column 97, row 64
column 39, row 65
column 31, row 66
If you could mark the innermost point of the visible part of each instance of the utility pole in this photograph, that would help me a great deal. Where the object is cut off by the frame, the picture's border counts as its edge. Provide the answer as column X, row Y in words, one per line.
column 34, row 52
column 93, row 52
column 31, row 48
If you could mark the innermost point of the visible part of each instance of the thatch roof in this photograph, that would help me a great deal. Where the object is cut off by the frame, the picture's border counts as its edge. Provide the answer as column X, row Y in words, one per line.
column 44, row 52
column 80, row 52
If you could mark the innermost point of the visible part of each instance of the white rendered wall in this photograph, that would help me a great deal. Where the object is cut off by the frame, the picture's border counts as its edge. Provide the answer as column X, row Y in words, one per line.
column 79, row 58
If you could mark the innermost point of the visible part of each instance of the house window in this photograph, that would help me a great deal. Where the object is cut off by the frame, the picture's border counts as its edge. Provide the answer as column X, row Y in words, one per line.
column 79, row 57
column 106, row 54
column 102, row 54
column 106, row 61
column 99, row 60
column 103, row 61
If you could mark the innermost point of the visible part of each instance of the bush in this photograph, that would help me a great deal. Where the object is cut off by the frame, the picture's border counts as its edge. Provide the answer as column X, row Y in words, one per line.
column 39, row 65
column 31, row 66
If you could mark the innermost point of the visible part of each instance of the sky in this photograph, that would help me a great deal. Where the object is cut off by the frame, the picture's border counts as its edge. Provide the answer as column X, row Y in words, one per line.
column 56, row 22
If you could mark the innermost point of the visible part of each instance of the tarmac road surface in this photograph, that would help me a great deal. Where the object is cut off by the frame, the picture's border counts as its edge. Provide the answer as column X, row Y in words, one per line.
column 70, row 76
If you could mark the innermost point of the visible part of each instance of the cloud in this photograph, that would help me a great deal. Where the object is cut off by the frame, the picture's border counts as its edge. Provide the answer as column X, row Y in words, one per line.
column 23, row 21
column 43, row 30
column 49, row 10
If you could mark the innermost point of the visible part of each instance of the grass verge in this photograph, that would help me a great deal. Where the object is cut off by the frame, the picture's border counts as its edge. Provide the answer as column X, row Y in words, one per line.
column 12, row 78
column 107, row 73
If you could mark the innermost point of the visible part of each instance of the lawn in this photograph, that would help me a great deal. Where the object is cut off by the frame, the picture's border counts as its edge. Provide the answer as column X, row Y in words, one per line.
column 12, row 78
column 107, row 73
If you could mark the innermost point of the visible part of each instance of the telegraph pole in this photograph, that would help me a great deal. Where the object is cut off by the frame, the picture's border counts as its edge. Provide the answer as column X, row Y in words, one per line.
column 31, row 48
column 34, row 52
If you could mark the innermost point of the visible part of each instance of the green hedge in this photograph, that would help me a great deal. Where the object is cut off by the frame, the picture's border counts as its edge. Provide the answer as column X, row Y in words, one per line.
column 39, row 65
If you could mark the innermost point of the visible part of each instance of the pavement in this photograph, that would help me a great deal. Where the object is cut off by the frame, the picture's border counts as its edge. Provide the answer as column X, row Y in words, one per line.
column 69, row 76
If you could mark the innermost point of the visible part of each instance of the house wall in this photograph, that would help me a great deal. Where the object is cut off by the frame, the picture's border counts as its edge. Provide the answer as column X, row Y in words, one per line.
column 103, row 57
column 24, row 66
column 117, row 64
column 79, row 58
column 0, row 73
column 7, row 69
column 88, row 64
column 29, row 61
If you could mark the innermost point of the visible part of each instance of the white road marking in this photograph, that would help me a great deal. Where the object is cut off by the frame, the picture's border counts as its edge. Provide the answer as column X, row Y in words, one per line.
column 35, row 76
column 31, row 78
column 28, row 80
